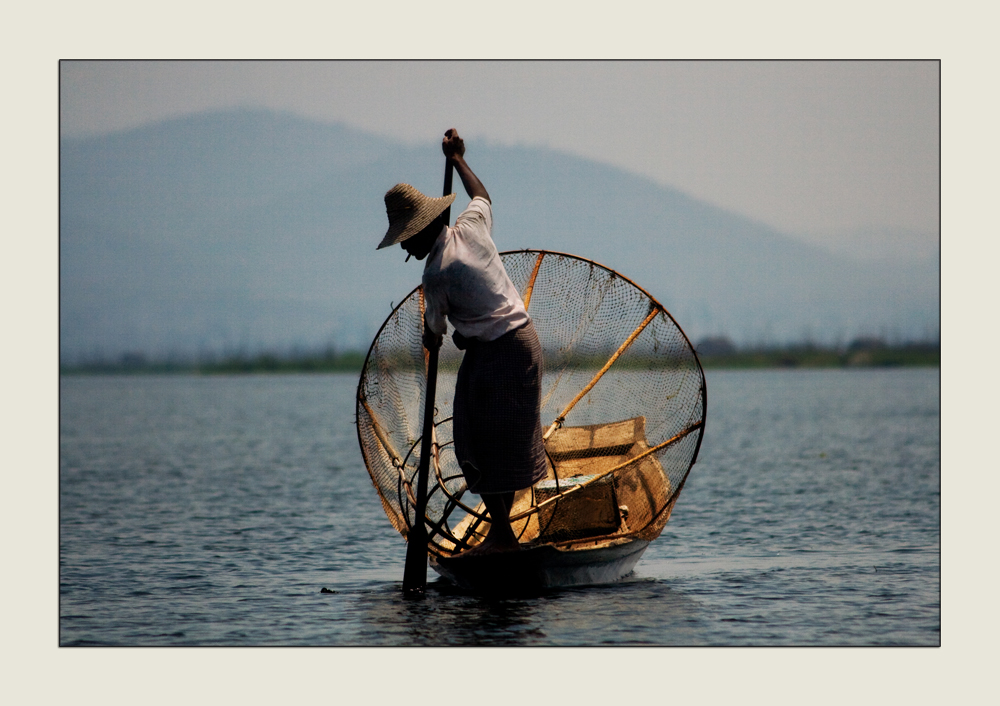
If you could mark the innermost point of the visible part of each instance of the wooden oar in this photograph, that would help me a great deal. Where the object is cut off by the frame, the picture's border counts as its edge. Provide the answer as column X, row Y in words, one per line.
column 415, row 569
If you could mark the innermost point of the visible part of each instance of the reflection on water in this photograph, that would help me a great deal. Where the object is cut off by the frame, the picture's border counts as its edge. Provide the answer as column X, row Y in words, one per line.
column 211, row 511
column 441, row 617
column 635, row 612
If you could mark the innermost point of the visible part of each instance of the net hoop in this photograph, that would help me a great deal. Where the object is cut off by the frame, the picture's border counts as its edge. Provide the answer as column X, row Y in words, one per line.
column 391, row 386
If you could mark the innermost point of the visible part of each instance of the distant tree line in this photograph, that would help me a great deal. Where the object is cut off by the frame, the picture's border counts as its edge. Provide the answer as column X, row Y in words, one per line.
column 720, row 352
column 715, row 352
column 327, row 361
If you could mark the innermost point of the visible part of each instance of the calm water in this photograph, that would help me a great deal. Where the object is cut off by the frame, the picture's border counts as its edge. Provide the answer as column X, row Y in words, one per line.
column 211, row 511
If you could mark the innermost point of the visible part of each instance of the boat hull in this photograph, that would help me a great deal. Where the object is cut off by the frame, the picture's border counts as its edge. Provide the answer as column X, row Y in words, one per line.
column 542, row 567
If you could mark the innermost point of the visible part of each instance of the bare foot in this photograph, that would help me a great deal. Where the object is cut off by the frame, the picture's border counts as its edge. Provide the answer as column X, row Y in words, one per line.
column 500, row 537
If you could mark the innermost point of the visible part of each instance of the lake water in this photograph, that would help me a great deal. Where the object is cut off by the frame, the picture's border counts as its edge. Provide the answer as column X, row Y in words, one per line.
column 213, row 510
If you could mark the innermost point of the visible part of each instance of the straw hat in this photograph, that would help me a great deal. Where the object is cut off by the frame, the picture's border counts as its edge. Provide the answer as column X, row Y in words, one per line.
column 410, row 212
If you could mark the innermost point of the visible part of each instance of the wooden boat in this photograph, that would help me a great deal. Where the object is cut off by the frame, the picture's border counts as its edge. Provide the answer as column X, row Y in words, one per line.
column 574, row 525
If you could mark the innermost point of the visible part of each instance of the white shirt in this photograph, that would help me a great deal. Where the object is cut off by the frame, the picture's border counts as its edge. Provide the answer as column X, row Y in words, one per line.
column 464, row 279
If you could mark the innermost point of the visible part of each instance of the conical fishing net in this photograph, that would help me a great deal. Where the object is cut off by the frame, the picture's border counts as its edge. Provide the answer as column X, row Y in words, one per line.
column 623, row 410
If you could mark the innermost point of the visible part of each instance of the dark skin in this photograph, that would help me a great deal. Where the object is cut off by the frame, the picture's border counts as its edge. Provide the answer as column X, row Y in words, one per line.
column 500, row 537
column 453, row 146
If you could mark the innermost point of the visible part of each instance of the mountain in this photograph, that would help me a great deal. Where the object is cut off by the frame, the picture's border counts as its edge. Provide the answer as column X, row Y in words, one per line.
column 249, row 230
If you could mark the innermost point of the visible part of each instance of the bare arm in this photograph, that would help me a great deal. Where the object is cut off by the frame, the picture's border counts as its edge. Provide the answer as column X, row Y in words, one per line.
column 454, row 149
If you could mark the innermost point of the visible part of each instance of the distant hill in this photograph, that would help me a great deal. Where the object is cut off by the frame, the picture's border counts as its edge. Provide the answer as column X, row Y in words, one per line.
column 249, row 230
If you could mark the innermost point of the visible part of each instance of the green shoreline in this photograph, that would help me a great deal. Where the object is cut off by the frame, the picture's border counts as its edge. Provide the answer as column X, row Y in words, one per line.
column 350, row 362
column 903, row 356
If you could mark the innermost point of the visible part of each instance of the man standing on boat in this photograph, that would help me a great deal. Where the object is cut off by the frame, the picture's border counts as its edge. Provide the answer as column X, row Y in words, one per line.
column 497, row 422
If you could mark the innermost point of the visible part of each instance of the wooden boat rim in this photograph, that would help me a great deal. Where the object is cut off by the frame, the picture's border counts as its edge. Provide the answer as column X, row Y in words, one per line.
column 568, row 548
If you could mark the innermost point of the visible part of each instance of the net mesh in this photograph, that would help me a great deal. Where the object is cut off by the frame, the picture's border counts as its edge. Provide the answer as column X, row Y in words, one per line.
column 623, row 408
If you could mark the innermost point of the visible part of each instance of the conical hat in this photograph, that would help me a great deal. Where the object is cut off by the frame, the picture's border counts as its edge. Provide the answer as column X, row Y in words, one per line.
column 410, row 212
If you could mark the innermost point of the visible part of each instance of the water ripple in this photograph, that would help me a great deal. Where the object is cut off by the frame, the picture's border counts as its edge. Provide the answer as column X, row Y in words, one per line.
column 212, row 511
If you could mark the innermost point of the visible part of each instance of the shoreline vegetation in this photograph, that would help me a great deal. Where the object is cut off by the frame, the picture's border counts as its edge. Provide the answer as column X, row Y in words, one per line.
column 714, row 353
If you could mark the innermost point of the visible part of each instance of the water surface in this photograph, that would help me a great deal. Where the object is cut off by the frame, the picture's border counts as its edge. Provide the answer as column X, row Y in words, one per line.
column 213, row 510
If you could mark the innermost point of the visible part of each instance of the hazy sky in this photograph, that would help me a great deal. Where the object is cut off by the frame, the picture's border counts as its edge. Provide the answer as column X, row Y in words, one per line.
column 809, row 147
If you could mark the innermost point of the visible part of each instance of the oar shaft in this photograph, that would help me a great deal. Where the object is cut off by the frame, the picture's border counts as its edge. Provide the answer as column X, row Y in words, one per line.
column 448, row 171
column 415, row 569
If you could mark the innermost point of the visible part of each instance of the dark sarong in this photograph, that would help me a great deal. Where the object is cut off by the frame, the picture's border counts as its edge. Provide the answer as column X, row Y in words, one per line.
column 497, row 425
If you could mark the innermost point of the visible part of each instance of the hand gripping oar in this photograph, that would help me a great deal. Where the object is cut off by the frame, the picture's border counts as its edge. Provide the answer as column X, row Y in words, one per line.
column 415, row 569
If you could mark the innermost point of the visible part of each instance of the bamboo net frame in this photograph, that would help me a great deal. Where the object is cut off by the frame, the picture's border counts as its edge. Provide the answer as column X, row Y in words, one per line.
column 597, row 370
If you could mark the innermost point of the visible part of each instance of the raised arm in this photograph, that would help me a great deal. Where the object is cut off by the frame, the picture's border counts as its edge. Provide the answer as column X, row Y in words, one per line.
column 454, row 149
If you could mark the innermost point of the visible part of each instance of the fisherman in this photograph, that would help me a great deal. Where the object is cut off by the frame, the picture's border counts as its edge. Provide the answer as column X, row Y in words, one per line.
column 497, row 422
